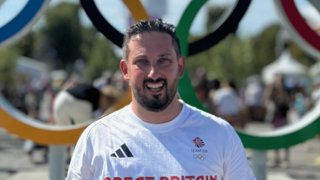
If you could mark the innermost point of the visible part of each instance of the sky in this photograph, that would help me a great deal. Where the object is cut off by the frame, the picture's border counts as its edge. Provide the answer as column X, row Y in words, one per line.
column 253, row 22
column 260, row 14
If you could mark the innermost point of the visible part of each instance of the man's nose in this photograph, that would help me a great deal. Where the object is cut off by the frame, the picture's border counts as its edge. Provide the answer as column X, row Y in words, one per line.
column 153, row 72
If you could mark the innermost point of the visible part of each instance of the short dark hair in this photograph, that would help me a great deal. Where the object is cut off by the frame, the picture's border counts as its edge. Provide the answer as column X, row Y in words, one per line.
column 156, row 25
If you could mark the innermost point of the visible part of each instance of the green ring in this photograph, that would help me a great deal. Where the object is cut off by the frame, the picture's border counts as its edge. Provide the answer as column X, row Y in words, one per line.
column 281, row 138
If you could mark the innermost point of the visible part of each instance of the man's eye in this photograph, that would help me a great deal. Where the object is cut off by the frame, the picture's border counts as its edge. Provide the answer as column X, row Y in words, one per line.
column 142, row 63
column 164, row 62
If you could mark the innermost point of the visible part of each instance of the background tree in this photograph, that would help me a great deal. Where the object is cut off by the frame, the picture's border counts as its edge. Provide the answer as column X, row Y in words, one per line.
column 229, row 59
column 214, row 15
column 8, row 56
column 99, row 57
column 236, row 57
column 25, row 45
column 264, row 48
column 265, row 51
column 62, row 33
column 60, row 40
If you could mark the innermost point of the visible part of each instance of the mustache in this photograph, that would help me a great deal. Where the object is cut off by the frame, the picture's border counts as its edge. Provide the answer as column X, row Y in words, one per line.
column 154, row 80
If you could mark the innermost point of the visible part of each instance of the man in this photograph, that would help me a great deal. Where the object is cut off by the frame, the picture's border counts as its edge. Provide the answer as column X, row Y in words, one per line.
column 229, row 105
column 157, row 136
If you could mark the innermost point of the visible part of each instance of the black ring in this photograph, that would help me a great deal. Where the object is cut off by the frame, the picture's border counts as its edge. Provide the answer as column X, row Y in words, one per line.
column 101, row 23
column 229, row 25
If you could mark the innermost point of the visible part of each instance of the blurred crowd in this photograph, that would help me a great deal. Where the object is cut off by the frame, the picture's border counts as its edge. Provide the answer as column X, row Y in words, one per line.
column 37, row 100
column 279, row 103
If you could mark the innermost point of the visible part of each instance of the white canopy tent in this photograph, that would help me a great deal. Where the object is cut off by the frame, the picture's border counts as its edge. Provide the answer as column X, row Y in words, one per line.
column 285, row 64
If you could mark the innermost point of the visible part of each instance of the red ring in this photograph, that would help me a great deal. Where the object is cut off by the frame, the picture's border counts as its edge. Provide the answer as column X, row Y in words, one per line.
column 299, row 24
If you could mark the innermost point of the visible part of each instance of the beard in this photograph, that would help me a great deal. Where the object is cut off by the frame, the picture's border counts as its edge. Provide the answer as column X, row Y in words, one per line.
column 156, row 103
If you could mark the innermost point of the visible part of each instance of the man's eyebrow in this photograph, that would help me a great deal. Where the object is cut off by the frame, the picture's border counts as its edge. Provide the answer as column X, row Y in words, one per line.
column 140, row 57
column 165, row 55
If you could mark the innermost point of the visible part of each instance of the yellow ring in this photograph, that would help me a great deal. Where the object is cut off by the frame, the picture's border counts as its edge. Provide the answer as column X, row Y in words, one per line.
column 24, row 127
column 136, row 8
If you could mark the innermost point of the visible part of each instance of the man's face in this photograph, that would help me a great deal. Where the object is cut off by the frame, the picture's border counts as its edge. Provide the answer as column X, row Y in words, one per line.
column 152, row 70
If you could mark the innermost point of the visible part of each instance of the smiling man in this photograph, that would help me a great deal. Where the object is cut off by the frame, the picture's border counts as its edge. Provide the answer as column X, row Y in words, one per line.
column 152, row 65
column 157, row 136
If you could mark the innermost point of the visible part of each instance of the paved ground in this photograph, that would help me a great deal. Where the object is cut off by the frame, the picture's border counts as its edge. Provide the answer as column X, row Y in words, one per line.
column 15, row 164
column 304, row 163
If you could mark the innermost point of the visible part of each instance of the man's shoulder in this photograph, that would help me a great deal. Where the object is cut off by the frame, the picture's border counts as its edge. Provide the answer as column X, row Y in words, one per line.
column 115, row 125
column 116, row 115
column 108, row 121
column 199, row 115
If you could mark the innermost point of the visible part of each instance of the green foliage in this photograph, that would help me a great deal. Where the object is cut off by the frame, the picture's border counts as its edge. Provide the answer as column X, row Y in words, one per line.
column 235, row 58
column 301, row 56
column 8, row 57
column 264, row 47
column 61, row 39
column 25, row 45
column 214, row 14
column 100, row 57
column 62, row 33
column 230, row 59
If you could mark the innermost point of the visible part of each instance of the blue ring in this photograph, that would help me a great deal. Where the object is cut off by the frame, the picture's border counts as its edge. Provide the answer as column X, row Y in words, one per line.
column 21, row 20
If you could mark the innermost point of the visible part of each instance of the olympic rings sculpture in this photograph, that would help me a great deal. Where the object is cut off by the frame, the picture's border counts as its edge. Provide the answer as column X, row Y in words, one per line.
column 308, row 127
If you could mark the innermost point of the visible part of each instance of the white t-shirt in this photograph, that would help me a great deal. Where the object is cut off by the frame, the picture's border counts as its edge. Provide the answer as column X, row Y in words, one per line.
column 194, row 146
column 227, row 102
column 69, row 110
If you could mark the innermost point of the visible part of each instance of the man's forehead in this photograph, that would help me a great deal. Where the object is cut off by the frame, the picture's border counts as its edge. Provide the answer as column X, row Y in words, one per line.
column 154, row 41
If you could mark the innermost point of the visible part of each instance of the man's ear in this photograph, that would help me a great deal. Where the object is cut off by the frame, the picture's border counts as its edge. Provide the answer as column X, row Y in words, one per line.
column 181, row 65
column 124, row 69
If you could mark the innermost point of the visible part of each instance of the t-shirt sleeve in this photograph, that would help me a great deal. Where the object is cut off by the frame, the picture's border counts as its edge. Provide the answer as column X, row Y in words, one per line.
column 237, row 165
column 80, row 165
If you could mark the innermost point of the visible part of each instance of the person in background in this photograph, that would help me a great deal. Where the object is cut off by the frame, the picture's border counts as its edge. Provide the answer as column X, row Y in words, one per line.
column 215, row 85
column 31, row 100
column 202, row 88
column 228, row 104
column 77, row 103
column 278, row 95
column 157, row 135
column 301, row 103
column 40, row 107
column 82, row 102
column 253, row 99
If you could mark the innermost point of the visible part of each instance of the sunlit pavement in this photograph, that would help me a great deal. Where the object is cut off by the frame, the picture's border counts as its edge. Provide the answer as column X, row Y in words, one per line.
column 15, row 164
column 304, row 163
